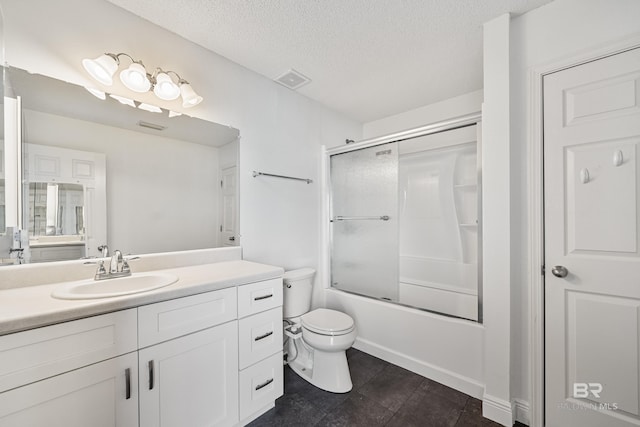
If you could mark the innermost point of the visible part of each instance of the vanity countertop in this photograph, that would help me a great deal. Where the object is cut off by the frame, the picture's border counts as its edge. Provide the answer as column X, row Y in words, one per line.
column 33, row 306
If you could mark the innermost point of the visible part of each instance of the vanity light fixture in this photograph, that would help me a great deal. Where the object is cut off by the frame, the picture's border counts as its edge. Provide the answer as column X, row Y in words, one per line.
column 136, row 78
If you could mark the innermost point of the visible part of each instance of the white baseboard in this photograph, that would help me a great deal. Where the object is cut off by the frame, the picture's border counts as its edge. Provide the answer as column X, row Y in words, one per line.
column 450, row 379
column 498, row 410
column 522, row 411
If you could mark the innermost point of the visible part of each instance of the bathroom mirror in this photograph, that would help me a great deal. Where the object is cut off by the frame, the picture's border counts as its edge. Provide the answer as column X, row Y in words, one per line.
column 162, row 172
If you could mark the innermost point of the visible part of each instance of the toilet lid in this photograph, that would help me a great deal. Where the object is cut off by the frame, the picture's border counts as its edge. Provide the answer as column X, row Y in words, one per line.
column 327, row 322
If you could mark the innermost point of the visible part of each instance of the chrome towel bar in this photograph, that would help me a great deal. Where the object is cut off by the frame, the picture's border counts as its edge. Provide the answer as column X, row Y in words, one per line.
column 307, row 180
column 359, row 218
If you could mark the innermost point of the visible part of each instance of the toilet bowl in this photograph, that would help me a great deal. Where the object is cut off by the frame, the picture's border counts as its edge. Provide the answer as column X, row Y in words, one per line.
column 318, row 339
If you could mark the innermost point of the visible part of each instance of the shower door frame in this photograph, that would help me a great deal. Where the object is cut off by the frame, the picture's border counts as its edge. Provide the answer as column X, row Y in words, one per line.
column 437, row 127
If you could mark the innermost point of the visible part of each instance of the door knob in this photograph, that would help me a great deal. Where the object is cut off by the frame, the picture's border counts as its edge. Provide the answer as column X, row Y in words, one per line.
column 559, row 271
column 232, row 238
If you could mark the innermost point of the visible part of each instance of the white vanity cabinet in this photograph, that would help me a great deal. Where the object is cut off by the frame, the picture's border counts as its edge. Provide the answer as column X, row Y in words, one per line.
column 260, row 346
column 73, row 374
column 209, row 359
column 190, row 377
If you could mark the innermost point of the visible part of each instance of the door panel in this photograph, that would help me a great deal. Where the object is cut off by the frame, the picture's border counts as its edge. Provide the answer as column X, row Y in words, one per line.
column 602, row 198
column 592, row 194
column 364, row 225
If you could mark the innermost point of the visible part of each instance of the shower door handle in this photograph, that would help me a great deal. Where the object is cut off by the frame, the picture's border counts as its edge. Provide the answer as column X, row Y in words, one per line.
column 360, row 218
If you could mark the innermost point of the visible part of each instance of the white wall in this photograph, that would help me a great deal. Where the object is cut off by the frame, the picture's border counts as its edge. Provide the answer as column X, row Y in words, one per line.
column 462, row 105
column 281, row 131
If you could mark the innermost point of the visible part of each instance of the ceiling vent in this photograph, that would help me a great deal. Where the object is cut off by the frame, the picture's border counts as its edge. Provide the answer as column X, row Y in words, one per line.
column 151, row 125
column 293, row 79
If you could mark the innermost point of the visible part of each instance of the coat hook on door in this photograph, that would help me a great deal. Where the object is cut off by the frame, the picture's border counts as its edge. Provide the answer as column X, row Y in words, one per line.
column 584, row 175
column 618, row 158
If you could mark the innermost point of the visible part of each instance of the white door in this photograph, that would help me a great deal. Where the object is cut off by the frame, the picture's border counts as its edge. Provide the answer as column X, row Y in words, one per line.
column 229, row 207
column 592, row 197
column 191, row 381
column 101, row 395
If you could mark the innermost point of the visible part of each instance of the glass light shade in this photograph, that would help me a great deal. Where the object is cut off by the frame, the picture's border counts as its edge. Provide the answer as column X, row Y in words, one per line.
column 189, row 97
column 135, row 78
column 102, row 68
column 165, row 88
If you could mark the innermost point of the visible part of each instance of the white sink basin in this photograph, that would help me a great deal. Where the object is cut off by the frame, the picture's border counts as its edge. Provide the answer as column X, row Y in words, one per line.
column 91, row 289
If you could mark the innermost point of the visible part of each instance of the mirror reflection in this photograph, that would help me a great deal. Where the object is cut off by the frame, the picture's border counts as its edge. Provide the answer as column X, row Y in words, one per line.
column 96, row 172
column 56, row 210
column 2, row 209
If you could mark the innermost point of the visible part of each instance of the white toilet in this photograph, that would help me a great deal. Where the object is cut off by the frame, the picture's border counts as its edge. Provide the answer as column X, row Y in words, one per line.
column 318, row 339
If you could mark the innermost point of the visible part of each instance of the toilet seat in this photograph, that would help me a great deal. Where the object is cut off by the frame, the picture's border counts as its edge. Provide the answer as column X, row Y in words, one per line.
column 323, row 321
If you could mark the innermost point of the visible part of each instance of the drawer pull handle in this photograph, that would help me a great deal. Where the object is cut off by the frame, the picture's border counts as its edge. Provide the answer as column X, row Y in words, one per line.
column 263, row 297
column 127, row 380
column 261, row 337
column 151, row 374
column 264, row 384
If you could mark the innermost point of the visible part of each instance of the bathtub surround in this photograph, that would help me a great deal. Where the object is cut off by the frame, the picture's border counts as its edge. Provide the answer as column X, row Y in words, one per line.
column 404, row 218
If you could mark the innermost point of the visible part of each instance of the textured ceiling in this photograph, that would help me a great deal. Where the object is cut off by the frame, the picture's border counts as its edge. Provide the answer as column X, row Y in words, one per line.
column 367, row 59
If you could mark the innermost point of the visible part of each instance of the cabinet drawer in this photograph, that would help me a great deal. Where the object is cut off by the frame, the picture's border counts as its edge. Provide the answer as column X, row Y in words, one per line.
column 39, row 353
column 259, row 296
column 260, row 385
column 170, row 319
column 259, row 336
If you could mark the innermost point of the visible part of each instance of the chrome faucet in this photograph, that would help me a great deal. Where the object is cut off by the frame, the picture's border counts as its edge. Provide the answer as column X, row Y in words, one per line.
column 118, row 267
column 116, row 262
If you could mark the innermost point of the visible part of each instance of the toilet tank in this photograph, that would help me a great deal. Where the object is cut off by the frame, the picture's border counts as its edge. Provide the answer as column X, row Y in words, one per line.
column 298, row 286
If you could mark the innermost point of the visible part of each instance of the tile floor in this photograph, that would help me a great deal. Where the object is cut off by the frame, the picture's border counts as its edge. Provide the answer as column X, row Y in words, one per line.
column 383, row 395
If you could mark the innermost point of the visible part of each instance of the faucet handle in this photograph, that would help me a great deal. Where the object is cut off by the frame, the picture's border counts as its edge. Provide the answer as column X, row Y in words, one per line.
column 101, row 272
column 125, row 266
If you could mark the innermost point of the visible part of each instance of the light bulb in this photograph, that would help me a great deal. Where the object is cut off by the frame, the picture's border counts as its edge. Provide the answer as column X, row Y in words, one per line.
column 102, row 68
column 189, row 97
column 135, row 78
column 165, row 88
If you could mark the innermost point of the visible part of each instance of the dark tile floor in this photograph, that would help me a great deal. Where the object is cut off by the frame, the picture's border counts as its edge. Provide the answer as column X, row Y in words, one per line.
column 383, row 395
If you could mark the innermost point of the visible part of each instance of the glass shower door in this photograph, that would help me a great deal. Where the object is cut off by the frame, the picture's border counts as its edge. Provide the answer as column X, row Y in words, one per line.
column 364, row 221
